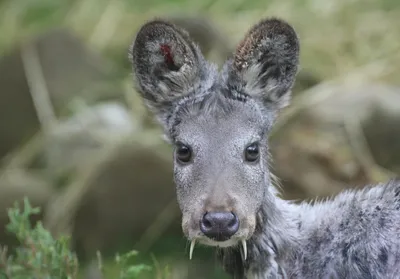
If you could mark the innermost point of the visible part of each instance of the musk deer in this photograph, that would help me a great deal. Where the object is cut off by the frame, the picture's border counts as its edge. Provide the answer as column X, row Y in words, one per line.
column 218, row 123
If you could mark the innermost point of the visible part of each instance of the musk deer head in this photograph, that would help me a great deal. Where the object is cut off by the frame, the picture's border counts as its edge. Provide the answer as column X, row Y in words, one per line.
column 217, row 121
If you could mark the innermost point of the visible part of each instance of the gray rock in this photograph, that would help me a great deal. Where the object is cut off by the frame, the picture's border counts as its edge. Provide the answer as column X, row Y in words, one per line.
column 119, row 199
column 58, row 66
column 79, row 137
column 348, row 137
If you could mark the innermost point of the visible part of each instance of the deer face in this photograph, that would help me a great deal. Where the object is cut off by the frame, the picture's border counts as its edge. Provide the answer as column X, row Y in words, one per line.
column 220, row 169
column 218, row 122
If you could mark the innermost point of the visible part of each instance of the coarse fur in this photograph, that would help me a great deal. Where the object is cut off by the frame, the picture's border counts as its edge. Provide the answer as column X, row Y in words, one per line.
column 215, row 116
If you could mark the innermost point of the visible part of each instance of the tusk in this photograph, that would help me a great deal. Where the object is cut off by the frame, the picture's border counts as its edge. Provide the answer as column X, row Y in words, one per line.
column 244, row 244
column 191, row 248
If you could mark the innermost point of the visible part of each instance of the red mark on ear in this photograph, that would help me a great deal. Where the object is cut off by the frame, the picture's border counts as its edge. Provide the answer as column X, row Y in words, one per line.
column 166, row 51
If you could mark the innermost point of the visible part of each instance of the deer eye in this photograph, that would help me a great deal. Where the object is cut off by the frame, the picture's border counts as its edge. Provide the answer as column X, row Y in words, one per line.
column 183, row 153
column 252, row 152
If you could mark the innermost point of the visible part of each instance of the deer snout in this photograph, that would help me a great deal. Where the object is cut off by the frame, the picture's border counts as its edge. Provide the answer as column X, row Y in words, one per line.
column 219, row 226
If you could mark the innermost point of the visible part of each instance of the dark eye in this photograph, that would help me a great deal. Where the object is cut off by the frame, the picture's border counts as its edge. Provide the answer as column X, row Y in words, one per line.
column 252, row 152
column 183, row 153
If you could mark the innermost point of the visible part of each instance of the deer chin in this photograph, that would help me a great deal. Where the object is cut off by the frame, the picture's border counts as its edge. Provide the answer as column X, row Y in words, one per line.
column 220, row 244
column 223, row 244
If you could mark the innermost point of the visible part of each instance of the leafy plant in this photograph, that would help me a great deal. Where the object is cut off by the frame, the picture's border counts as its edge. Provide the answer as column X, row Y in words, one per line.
column 39, row 255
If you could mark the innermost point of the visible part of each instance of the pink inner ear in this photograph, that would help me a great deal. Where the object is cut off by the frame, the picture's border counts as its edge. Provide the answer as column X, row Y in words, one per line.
column 166, row 51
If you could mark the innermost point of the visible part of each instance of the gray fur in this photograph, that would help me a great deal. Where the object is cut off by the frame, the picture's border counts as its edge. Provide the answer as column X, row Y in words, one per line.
column 217, row 115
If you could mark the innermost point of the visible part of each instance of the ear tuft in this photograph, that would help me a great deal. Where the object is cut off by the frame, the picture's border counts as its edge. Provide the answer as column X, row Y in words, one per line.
column 266, row 61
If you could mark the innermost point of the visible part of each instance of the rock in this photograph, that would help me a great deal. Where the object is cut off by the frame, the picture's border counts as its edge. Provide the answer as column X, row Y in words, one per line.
column 343, row 139
column 18, row 119
column 56, row 65
column 382, row 132
column 71, row 69
column 119, row 199
column 305, row 79
column 80, row 136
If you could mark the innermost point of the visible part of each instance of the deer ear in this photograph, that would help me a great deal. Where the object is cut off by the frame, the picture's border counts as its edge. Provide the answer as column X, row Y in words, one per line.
column 265, row 63
column 166, row 64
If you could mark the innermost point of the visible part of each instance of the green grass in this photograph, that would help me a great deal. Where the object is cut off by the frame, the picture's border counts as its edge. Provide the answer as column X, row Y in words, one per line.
column 39, row 255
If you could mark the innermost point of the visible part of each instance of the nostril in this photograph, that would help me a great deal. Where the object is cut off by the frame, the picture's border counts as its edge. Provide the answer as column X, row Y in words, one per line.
column 233, row 221
column 206, row 223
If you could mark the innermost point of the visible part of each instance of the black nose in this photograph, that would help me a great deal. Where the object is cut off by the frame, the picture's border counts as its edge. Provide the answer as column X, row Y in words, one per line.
column 219, row 226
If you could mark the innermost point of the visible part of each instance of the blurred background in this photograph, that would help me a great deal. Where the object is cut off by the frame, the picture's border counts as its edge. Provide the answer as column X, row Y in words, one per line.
column 77, row 141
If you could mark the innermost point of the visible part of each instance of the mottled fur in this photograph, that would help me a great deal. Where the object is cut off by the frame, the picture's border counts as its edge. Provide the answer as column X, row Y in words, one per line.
column 217, row 114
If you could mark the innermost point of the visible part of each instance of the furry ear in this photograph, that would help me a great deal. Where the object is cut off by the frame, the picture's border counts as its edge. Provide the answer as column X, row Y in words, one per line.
column 166, row 64
column 265, row 63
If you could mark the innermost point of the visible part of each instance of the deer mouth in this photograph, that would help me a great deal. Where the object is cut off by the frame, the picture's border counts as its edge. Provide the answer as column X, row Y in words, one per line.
column 237, row 238
column 220, row 244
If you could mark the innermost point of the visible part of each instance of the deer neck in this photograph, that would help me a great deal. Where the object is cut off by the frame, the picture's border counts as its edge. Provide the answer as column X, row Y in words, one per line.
column 275, row 237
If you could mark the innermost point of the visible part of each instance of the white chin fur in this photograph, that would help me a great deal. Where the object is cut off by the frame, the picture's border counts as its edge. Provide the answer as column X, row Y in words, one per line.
column 222, row 244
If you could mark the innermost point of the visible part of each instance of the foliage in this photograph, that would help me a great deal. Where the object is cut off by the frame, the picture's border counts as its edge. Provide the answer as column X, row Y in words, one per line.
column 41, row 256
